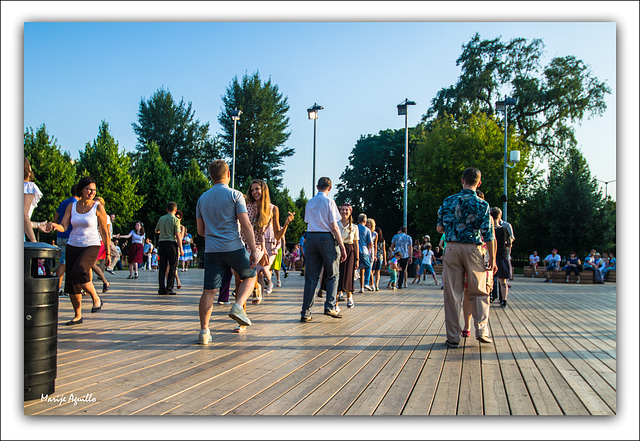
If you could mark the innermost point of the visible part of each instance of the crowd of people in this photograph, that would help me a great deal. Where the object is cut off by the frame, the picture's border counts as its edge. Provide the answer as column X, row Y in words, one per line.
column 598, row 264
column 245, row 243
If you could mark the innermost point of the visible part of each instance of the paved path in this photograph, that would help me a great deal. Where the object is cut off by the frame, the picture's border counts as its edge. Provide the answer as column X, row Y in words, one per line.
column 554, row 353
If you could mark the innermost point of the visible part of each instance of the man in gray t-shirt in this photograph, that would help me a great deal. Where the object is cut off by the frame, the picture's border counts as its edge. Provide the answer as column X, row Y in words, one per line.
column 221, row 213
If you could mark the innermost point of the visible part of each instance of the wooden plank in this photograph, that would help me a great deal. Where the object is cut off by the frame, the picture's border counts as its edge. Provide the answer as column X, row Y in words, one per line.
column 540, row 395
column 470, row 401
column 564, row 395
column 515, row 386
column 494, row 394
column 573, row 371
column 420, row 345
column 421, row 398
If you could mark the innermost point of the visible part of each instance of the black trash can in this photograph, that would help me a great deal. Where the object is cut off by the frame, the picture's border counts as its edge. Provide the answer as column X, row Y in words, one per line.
column 40, row 321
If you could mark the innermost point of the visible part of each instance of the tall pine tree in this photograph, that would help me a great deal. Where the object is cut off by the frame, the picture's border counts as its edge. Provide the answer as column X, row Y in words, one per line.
column 173, row 127
column 102, row 160
column 261, row 131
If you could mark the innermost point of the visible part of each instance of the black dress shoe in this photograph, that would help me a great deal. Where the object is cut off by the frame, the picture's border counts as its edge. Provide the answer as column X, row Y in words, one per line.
column 77, row 322
column 171, row 293
column 452, row 344
column 94, row 309
column 332, row 313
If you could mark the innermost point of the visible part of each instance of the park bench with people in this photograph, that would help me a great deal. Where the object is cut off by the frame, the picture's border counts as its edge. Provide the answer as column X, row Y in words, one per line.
column 560, row 276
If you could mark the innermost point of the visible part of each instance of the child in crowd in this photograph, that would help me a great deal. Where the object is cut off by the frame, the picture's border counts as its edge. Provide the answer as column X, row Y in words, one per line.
column 42, row 271
column 426, row 265
column 393, row 270
column 534, row 259
column 154, row 260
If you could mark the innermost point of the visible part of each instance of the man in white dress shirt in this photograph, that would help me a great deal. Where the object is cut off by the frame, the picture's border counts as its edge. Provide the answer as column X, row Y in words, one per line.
column 323, row 248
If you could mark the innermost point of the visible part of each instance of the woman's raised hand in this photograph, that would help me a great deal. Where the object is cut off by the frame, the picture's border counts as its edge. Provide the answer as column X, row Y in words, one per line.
column 290, row 216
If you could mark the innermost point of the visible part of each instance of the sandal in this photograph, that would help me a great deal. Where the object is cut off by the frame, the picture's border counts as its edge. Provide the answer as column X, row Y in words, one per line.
column 257, row 299
column 466, row 333
column 239, row 329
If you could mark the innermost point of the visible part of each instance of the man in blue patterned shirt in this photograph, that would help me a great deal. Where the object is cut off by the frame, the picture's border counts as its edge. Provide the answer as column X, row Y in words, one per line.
column 464, row 217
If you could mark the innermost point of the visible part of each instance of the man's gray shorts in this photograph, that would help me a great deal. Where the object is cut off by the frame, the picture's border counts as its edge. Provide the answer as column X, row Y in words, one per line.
column 216, row 264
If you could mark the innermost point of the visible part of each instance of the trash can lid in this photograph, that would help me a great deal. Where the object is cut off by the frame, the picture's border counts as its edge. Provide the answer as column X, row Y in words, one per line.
column 39, row 246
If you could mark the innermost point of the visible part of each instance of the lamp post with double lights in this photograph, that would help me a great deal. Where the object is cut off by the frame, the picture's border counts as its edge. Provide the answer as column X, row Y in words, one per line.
column 313, row 114
column 502, row 106
column 402, row 110
column 235, row 116
column 606, row 187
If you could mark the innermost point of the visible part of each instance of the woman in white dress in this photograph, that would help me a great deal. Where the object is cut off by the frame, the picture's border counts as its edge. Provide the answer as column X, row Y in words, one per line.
column 32, row 195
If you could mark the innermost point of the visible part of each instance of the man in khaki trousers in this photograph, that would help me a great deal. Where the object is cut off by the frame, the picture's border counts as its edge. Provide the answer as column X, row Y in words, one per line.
column 465, row 220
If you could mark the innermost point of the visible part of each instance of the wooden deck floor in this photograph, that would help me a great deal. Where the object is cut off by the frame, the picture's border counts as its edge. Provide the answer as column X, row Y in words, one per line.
column 554, row 353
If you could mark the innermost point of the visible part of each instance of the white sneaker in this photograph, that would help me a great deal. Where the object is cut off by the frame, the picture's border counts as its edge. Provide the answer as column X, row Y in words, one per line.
column 361, row 289
column 337, row 308
column 279, row 284
column 238, row 315
column 350, row 303
column 269, row 288
column 205, row 337
column 368, row 288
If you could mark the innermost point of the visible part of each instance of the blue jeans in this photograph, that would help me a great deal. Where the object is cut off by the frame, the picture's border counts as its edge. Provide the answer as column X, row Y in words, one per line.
column 320, row 251
column 365, row 263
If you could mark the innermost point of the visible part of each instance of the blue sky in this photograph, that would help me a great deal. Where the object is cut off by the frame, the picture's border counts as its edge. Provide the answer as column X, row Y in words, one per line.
column 72, row 77
column 77, row 74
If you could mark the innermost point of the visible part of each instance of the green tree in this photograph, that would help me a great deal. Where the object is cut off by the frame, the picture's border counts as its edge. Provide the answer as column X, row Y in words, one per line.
column 157, row 185
column 285, row 203
column 192, row 184
column 173, row 127
column 550, row 99
column 54, row 171
column 376, row 167
column 444, row 152
column 261, row 131
column 567, row 212
column 103, row 161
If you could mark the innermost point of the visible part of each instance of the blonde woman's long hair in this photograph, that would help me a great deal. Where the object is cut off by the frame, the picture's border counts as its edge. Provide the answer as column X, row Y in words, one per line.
column 264, row 205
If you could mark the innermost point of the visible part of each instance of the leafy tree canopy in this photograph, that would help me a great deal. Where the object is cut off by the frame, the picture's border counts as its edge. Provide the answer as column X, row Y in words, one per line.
column 372, row 182
column 549, row 99
column 261, row 131
column 444, row 152
column 173, row 127
column 102, row 160
column 192, row 184
column 54, row 172
column 567, row 212
column 158, row 186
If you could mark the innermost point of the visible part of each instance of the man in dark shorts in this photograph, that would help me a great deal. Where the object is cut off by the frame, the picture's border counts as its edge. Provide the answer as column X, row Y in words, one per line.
column 218, row 213
column 503, row 245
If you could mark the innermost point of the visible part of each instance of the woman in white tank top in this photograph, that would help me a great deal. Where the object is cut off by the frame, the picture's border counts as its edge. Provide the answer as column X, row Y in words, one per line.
column 89, row 220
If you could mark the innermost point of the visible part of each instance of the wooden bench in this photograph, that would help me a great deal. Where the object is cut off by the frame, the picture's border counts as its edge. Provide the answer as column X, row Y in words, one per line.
column 585, row 276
